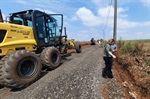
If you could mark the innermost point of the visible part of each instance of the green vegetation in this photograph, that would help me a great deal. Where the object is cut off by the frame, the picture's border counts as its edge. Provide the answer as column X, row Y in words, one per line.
column 135, row 48
column 130, row 47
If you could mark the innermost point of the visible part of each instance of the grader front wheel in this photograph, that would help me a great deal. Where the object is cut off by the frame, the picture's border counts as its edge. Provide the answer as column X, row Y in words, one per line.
column 51, row 57
column 20, row 69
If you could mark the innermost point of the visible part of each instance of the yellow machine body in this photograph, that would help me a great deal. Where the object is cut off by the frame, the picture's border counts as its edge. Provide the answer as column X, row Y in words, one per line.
column 71, row 43
column 16, row 37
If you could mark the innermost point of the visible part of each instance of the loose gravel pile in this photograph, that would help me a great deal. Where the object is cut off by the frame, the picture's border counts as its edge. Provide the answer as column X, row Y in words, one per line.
column 78, row 77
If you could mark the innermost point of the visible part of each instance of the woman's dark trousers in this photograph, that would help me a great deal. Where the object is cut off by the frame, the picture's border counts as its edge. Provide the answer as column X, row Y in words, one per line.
column 108, row 66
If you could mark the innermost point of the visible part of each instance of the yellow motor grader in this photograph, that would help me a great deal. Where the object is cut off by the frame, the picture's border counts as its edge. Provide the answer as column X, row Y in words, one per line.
column 30, row 40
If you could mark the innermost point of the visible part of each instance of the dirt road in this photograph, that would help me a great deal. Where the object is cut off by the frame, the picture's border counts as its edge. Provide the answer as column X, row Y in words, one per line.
column 78, row 77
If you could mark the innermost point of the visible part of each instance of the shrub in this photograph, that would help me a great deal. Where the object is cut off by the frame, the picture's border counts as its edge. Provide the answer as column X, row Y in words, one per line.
column 134, row 47
column 120, row 44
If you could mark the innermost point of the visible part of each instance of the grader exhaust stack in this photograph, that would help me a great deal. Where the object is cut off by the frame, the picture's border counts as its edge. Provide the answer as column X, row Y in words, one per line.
column 1, row 17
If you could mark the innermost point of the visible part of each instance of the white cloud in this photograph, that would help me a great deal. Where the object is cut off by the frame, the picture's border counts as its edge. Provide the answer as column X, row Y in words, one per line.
column 91, row 20
column 146, row 3
column 132, row 34
column 103, row 12
column 122, row 24
column 121, row 11
column 74, row 18
column 87, row 17
column 22, row 2
column 46, row 11
column 99, row 3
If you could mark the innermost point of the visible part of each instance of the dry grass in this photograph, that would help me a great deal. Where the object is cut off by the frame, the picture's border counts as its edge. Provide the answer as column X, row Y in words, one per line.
column 134, row 56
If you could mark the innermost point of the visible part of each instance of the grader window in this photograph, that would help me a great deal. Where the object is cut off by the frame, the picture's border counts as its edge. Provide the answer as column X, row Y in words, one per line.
column 22, row 20
column 18, row 21
column 57, row 24
column 52, row 30
column 40, row 26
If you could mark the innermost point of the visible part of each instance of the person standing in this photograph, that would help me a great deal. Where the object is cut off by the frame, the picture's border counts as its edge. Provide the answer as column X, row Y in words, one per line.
column 114, row 47
column 108, row 58
column 99, row 43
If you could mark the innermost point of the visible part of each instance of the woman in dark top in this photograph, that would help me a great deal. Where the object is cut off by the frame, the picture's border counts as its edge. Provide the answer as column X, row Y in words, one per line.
column 108, row 58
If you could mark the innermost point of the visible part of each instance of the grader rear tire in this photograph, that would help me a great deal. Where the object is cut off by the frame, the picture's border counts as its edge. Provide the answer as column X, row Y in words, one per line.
column 78, row 48
column 19, row 69
column 50, row 57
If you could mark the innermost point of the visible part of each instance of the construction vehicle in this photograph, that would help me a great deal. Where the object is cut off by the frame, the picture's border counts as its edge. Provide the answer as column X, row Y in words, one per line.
column 71, row 43
column 30, row 40
column 93, row 42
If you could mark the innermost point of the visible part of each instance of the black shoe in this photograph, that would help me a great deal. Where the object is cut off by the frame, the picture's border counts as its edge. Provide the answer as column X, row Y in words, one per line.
column 110, row 75
column 104, row 73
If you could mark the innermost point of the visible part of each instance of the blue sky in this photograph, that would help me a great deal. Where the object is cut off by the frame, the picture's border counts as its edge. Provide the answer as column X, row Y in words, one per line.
column 85, row 19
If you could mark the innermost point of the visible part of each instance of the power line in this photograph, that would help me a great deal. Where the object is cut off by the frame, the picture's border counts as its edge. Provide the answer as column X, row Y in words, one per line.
column 108, row 14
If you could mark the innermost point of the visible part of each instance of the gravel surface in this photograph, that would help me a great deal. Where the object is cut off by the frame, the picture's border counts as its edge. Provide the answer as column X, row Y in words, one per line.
column 78, row 77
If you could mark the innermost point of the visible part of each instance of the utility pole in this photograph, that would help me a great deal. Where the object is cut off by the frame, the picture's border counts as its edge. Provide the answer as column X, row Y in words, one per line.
column 115, row 20
column 104, row 35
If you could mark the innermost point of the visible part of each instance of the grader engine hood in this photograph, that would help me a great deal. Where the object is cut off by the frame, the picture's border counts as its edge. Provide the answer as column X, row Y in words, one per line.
column 13, row 33
column 13, row 37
